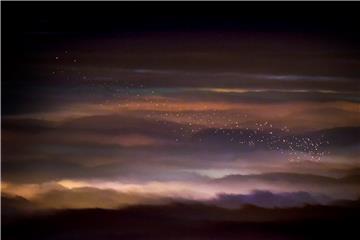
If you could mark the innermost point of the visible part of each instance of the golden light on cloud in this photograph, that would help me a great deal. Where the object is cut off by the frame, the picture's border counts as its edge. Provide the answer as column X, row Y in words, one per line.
column 308, row 115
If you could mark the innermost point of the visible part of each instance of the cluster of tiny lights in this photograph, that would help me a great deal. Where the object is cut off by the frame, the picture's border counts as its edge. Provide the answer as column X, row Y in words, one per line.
column 233, row 130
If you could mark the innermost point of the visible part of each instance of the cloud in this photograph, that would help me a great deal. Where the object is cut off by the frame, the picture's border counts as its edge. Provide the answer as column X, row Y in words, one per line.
column 146, row 149
column 77, row 194
column 269, row 138
column 294, row 178
column 344, row 187
column 100, row 194
column 92, row 198
column 77, row 198
column 110, row 193
column 268, row 199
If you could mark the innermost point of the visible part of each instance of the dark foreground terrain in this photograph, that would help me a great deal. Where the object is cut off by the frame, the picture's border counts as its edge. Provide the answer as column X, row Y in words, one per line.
column 185, row 221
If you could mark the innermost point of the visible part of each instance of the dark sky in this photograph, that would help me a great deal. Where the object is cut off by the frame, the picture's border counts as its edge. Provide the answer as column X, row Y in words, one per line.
column 32, row 33
column 168, row 98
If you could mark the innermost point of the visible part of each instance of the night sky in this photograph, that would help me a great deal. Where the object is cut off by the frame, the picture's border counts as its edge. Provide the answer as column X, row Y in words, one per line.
column 105, row 105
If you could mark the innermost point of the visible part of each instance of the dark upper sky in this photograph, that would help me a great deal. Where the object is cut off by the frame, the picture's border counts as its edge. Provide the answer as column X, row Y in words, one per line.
column 226, row 37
